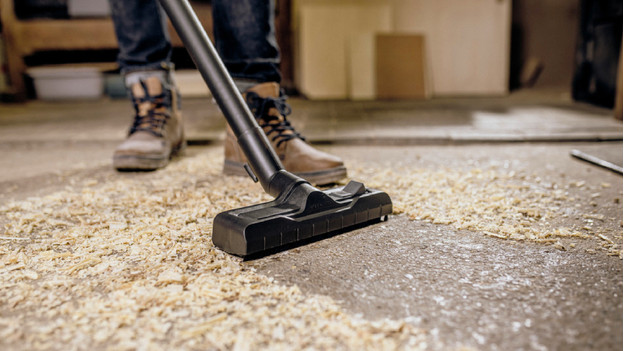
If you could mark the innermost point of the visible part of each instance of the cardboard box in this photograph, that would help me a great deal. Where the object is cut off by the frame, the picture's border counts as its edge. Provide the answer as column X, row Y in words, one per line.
column 400, row 66
column 468, row 43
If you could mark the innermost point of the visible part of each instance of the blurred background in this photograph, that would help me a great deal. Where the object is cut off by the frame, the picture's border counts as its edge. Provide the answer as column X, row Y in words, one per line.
column 345, row 49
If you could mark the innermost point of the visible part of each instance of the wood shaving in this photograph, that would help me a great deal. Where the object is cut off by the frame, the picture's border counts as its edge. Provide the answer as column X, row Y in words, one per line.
column 559, row 246
column 12, row 238
column 605, row 238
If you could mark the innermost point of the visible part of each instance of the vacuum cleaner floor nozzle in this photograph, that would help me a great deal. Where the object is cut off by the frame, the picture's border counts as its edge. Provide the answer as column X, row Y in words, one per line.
column 300, row 211
column 299, row 215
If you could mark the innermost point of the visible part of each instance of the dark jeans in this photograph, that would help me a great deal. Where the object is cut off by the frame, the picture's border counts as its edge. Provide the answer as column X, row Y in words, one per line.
column 244, row 34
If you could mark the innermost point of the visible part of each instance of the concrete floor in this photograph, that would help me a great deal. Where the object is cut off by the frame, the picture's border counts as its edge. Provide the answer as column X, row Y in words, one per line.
column 464, row 288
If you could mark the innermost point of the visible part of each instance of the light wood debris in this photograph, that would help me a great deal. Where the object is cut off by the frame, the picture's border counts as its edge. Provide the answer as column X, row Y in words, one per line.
column 126, row 262
column 502, row 204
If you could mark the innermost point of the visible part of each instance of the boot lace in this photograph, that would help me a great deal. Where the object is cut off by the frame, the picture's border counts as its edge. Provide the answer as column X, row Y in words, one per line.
column 278, row 125
column 154, row 121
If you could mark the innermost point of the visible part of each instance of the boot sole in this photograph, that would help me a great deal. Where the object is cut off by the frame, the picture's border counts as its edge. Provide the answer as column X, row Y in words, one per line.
column 323, row 177
column 144, row 163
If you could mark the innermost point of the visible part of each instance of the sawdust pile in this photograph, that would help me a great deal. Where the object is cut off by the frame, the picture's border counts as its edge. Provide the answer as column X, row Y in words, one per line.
column 507, row 204
column 127, row 262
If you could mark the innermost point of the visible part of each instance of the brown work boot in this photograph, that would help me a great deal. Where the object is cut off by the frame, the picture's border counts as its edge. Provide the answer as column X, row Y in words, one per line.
column 297, row 156
column 156, row 133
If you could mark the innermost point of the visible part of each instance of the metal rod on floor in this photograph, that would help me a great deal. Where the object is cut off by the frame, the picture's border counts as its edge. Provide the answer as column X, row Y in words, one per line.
column 596, row 161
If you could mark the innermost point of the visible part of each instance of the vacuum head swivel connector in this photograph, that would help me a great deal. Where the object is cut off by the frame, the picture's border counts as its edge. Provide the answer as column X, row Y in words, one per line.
column 299, row 211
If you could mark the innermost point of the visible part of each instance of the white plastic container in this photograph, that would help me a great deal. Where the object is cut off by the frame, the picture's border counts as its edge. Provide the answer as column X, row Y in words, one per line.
column 67, row 83
column 88, row 8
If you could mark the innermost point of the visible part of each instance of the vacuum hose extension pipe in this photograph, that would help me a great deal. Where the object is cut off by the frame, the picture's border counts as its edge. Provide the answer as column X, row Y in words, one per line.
column 262, row 159
column 300, row 212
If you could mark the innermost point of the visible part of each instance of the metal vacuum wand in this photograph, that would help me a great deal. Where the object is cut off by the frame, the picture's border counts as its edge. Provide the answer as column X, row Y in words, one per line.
column 262, row 159
column 300, row 212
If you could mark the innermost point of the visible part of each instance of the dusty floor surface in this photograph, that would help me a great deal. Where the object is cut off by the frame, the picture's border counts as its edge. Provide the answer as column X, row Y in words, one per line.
column 468, row 288
column 493, row 246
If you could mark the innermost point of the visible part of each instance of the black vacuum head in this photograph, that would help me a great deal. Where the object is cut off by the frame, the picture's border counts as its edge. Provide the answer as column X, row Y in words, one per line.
column 300, row 211
column 299, row 215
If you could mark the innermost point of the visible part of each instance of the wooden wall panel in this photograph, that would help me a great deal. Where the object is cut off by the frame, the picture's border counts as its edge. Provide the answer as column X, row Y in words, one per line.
column 468, row 42
column 324, row 31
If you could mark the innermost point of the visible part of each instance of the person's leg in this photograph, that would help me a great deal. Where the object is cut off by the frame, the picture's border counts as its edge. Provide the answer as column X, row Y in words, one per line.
column 244, row 32
column 245, row 39
column 270, row 109
column 142, row 35
column 144, row 58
